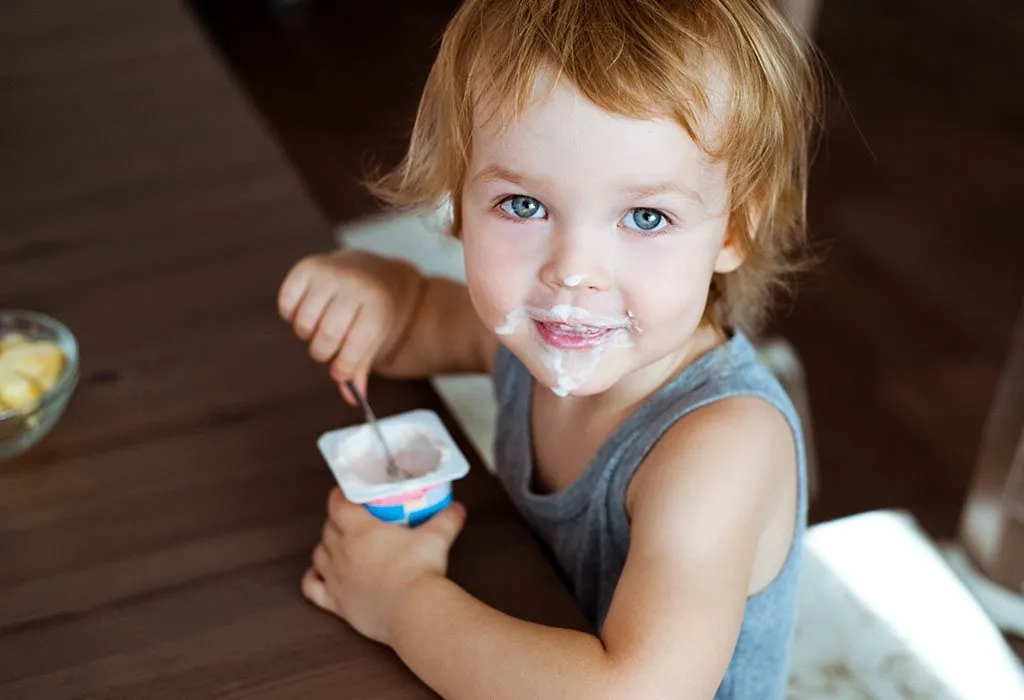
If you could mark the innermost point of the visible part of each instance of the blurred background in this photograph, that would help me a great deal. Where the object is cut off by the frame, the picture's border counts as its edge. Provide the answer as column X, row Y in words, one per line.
column 150, row 546
column 914, row 204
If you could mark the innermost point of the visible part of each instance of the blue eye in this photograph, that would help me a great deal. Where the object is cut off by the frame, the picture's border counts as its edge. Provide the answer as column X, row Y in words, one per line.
column 645, row 220
column 522, row 207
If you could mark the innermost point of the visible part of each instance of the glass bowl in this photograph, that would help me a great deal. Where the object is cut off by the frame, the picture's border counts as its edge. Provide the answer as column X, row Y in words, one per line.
column 22, row 427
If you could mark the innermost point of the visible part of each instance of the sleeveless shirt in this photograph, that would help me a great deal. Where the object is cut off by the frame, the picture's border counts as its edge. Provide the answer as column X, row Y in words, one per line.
column 585, row 524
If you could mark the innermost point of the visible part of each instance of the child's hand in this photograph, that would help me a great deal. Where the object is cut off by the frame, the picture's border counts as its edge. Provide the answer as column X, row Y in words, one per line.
column 351, row 307
column 362, row 566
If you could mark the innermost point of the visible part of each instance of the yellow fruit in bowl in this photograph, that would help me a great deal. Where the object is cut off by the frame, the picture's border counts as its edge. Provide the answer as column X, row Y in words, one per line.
column 17, row 391
column 28, row 369
column 12, row 340
column 40, row 361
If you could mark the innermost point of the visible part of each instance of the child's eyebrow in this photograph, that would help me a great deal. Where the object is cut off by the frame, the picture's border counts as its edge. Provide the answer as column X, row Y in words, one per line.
column 668, row 187
column 496, row 172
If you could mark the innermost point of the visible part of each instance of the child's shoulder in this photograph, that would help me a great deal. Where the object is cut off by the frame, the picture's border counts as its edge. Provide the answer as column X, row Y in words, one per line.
column 734, row 448
column 722, row 483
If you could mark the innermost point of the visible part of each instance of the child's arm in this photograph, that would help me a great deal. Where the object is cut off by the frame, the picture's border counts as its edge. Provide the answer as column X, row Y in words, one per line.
column 700, row 504
column 360, row 311
column 444, row 336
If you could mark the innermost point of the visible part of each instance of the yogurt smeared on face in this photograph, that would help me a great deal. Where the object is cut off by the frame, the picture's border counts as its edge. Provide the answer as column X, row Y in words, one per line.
column 513, row 319
column 573, row 340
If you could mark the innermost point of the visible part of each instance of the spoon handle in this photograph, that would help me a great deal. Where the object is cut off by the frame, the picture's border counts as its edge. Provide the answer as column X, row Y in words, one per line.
column 394, row 471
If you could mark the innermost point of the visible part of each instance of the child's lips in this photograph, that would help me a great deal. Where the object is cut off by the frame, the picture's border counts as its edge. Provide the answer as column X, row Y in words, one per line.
column 573, row 336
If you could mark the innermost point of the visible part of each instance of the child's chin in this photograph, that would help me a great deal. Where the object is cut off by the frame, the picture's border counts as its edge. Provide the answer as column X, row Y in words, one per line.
column 584, row 386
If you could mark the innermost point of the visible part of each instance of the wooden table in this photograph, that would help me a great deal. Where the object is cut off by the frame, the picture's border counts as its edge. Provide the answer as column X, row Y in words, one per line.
column 152, row 546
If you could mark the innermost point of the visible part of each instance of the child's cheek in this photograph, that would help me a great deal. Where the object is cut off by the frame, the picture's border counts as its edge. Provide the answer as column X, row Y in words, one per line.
column 665, row 282
column 497, row 274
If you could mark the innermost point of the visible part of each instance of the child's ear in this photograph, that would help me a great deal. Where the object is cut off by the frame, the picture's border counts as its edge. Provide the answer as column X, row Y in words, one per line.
column 737, row 242
column 730, row 257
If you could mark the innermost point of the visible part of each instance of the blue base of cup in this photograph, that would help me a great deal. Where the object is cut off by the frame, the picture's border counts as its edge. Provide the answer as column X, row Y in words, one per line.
column 402, row 514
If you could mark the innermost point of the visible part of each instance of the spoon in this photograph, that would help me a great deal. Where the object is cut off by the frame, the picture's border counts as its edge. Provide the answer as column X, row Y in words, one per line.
column 394, row 472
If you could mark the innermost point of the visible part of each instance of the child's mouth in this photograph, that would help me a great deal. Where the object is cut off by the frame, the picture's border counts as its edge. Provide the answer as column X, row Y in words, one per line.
column 573, row 336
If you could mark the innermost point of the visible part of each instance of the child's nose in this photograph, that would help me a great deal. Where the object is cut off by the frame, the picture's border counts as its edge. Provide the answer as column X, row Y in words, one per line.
column 576, row 266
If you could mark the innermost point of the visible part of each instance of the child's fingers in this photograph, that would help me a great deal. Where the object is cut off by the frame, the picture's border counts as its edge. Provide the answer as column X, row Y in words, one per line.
column 345, row 393
column 330, row 535
column 360, row 344
column 448, row 523
column 307, row 318
column 315, row 590
column 360, row 377
column 292, row 291
column 341, row 376
column 321, row 560
column 345, row 514
column 334, row 324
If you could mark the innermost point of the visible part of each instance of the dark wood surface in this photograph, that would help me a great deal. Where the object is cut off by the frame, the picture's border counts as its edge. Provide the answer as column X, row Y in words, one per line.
column 151, row 547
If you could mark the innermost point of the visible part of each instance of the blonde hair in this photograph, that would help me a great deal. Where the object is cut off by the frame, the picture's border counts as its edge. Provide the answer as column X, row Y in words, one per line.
column 639, row 59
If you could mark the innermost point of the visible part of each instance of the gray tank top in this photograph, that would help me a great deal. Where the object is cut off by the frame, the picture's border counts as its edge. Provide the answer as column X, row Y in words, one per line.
column 585, row 524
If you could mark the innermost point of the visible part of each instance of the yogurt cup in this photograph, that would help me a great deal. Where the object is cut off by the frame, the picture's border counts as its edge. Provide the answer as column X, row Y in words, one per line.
column 422, row 446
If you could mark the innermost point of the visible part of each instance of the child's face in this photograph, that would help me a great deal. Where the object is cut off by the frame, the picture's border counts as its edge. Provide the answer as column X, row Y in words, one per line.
column 591, row 239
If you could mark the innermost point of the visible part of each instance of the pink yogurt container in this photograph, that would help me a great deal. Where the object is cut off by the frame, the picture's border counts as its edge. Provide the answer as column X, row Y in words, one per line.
column 422, row 446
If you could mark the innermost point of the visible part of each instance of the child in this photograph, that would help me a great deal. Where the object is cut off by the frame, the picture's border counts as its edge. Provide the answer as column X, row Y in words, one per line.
column 628, row 180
